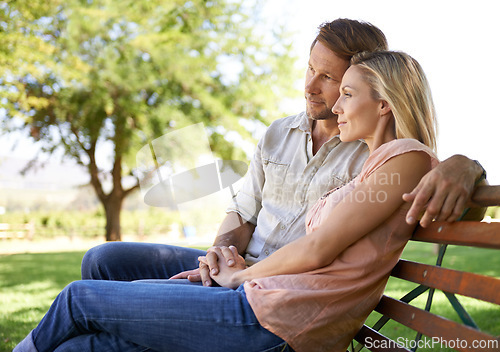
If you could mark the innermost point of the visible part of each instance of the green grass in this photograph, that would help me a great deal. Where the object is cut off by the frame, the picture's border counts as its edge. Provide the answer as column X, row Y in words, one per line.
column 30, row 282
column 480, row 261
column 28, row 285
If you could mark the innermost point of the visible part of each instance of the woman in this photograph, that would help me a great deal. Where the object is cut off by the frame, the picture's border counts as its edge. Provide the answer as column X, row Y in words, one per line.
column 313, row 293
column 327, row 283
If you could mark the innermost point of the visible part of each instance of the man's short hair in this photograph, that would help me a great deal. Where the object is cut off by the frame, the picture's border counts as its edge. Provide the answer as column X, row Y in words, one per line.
column 347, row 37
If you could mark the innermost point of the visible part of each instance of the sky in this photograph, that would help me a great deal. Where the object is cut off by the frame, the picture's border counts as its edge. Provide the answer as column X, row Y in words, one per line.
column 456, row 42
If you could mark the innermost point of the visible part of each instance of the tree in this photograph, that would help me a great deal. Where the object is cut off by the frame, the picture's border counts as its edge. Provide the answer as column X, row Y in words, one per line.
column 99, row 77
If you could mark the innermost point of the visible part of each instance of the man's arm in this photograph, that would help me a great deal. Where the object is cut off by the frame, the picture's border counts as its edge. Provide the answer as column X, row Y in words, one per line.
column 234, row 231
column 444, row 192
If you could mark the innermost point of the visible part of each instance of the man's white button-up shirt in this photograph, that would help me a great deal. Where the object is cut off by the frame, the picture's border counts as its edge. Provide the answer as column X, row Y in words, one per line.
column 285, row 178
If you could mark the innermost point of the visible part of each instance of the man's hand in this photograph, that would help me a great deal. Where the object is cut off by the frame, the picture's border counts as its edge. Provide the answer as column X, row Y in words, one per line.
column 210, row 266
column 225, row 275
column 444, row 191
column 191, row 275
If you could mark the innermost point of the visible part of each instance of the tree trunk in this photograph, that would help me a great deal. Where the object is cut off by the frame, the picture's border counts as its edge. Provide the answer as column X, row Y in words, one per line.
column 113, row 208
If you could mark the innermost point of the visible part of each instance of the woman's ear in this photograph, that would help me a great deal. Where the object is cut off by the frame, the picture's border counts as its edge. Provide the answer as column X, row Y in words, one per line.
column 384, row 108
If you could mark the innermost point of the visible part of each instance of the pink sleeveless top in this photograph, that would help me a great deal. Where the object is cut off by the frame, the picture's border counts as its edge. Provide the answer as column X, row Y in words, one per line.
column 322, row 310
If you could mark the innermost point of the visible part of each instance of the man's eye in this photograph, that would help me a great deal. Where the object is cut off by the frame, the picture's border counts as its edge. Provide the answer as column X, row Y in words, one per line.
column 332, row 79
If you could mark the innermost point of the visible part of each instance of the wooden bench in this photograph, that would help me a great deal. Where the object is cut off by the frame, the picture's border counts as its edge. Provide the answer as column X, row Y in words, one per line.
column 17, row 231
column 441, row 332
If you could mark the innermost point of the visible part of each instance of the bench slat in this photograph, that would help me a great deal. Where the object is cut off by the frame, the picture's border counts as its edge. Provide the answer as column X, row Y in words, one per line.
column 464, row 233
column 434, row 326
column 472, row 285
column 485, row 196
column 379, row 343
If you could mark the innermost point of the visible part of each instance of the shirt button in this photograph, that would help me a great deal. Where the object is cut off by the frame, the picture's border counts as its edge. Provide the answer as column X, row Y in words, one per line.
column 283, row 227
column 266, row 252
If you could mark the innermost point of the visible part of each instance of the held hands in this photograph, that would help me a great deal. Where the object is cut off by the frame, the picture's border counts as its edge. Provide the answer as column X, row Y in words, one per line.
column 210, row 265
column 442, row 194
column 225, row 275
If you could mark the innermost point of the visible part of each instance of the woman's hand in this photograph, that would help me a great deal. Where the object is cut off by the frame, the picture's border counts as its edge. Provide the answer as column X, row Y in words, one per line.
column 227, row 275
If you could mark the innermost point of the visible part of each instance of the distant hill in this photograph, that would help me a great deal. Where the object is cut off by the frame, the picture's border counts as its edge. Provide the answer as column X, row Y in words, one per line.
column 52, row 186
column 50, row 176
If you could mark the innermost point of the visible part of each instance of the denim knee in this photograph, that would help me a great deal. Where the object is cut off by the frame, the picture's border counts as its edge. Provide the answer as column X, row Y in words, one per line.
column 94, row 260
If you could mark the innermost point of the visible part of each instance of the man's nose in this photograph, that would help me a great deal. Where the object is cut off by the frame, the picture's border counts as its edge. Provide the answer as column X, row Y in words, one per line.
column 312, row 86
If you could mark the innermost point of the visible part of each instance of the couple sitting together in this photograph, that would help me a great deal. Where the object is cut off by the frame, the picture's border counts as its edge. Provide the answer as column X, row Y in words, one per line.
column 287, row 271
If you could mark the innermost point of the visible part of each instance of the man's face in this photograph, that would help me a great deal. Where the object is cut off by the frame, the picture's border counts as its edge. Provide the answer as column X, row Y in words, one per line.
column 323, row 78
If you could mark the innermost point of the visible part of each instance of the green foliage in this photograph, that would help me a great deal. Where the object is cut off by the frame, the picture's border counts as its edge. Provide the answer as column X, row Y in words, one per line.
column 150, row 221
column 106, row 77
column 79, row 73
column 493, row 212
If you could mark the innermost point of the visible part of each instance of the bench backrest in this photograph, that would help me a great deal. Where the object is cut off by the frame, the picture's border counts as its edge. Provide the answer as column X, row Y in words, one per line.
column 464, row 336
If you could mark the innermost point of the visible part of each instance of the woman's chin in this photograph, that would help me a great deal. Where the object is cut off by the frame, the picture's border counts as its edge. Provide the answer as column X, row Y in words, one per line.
column 345, row 138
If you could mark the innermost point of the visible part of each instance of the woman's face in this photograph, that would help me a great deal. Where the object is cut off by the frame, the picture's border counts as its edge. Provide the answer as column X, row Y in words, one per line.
column 358, row 112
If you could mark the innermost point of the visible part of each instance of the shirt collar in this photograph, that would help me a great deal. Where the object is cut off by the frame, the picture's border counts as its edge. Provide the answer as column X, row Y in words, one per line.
column 302, row 122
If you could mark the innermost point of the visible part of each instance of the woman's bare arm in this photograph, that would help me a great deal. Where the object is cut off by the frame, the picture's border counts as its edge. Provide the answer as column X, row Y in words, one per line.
column 343, row 225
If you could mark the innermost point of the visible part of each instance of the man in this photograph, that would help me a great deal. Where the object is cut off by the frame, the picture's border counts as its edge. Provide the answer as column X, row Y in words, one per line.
column 299, row 158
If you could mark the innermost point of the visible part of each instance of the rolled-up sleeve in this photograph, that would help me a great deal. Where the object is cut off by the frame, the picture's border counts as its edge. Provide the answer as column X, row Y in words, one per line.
column 248, row 200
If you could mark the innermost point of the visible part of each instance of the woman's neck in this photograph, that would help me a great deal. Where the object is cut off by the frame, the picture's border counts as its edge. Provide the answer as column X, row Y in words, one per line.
column 385, row 132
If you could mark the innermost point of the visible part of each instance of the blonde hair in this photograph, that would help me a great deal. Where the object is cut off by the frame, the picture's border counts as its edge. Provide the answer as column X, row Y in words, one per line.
column 399, row 79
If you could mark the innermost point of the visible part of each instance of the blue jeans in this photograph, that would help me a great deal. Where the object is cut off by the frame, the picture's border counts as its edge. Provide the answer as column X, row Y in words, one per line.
column 147, row 315
column 129, row 261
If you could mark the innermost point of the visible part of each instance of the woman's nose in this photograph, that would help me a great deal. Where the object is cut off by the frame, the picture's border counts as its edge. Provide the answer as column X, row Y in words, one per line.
column 337, row 109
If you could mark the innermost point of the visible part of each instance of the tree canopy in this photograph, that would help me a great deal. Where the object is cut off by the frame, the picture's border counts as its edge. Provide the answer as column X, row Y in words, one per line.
column 94, row 75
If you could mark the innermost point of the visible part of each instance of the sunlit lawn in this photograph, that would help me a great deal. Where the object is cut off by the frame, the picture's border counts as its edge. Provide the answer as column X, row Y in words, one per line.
column 30, row 282
column 28, row 285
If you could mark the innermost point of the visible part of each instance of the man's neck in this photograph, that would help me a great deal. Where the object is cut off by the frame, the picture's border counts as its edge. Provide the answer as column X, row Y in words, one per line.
column 322, row 132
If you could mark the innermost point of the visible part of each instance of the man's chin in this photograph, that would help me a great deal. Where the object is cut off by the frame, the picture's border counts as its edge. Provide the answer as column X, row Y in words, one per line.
column 324, row 115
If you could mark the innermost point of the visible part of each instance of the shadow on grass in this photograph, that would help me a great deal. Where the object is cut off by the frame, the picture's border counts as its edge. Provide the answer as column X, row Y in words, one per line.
column 23, row 268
